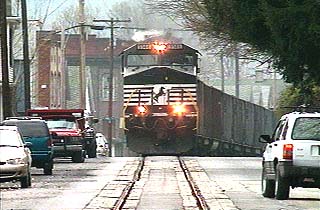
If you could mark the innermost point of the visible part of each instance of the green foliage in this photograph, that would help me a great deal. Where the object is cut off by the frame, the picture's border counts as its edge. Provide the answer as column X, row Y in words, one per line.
column 249, row 24
column 288, row 98
column 293, row 96
column 288, row 30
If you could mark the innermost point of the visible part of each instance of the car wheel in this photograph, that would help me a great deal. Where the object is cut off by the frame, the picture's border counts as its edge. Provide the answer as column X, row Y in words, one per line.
column 26, row 181
column 92, row 152
column 47, row 169
column 282, row 186
column 29, row 181
column 267, row 185
column 78, row 157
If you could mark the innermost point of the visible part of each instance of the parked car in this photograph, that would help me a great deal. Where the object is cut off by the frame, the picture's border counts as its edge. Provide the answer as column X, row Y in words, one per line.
column 102, row 144
column 15, row 157
column 71, row 137
column 36, row 131
column 292, row 155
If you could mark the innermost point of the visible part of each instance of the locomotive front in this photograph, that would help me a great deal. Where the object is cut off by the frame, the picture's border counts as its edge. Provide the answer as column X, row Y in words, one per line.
column 160, row 108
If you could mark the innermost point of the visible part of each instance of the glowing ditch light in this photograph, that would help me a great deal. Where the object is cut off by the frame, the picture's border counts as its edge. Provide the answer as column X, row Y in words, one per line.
column 179, row 108
column 142, row 109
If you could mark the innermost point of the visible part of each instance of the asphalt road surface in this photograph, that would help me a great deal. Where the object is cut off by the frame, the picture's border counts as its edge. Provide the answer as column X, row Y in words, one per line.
column 76, row 185
column 240, row 179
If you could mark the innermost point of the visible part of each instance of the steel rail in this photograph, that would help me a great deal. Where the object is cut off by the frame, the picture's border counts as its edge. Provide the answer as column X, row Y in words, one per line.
column 202, row 204
column 126, row 191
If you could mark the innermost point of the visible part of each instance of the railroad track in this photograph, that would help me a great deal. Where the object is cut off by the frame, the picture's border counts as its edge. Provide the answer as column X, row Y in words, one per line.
column 161, row 183
column 137, row 175
column 128, row 189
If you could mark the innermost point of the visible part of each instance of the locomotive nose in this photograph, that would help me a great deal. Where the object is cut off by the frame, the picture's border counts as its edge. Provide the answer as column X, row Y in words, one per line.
column 162, row 134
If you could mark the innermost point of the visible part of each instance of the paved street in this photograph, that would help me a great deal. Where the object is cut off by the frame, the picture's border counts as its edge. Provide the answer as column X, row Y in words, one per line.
column 240, row 179
column 85, row 185
column 71, row 186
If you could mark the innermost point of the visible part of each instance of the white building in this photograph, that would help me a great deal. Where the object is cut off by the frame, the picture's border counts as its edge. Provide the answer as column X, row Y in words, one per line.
column 12, row 22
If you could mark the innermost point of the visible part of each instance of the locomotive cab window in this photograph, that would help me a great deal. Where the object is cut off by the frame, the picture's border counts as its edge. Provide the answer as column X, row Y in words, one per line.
column 182, row 62
column 156, row 60
column 142, row 60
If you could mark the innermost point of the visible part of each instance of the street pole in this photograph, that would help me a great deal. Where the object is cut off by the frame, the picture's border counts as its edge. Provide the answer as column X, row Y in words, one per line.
column 82, row 67
column 26, row 61
column 6, row 95
column 110, row 99
column 110, row 102
column 63, row 70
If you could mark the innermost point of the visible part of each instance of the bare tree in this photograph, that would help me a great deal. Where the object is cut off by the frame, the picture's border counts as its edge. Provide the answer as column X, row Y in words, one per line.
column 193, row 15
column 69, row 17
column 142, row 21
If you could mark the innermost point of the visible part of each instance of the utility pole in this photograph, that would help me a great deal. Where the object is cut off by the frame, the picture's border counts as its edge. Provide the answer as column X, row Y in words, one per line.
column 26, row 61
column 6, row 95
column 110, row 97
column 82, row 67
column 63, row 69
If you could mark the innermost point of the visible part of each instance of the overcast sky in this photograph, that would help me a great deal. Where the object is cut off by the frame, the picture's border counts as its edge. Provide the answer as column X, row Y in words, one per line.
column 64, row 3
column 39, row 7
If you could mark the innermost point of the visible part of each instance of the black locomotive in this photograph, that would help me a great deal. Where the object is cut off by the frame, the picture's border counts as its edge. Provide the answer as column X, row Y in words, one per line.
column 160, row 108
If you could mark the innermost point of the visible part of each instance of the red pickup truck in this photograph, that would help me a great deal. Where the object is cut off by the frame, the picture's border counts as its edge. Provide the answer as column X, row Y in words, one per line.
column 71, row 137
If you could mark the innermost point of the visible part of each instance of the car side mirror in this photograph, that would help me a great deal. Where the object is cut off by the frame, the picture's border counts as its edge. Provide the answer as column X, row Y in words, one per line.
column 265, row 139
column 28, row 144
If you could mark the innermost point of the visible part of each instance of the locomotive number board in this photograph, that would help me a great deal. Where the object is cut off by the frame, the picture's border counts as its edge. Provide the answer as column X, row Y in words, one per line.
column 152, row 46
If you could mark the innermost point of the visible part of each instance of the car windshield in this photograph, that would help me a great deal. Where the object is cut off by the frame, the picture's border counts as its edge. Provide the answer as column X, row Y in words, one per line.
column 10, row 138
column 306, row 128
column 31, row 128
column 61, row 123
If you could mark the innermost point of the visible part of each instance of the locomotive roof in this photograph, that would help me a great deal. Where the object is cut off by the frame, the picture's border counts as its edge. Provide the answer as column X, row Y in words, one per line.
column 135, row 51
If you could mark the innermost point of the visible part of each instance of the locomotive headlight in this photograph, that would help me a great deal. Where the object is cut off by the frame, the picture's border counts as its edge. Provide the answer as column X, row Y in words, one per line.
column 179, row 108
column 159, row 47
column 142, row 109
